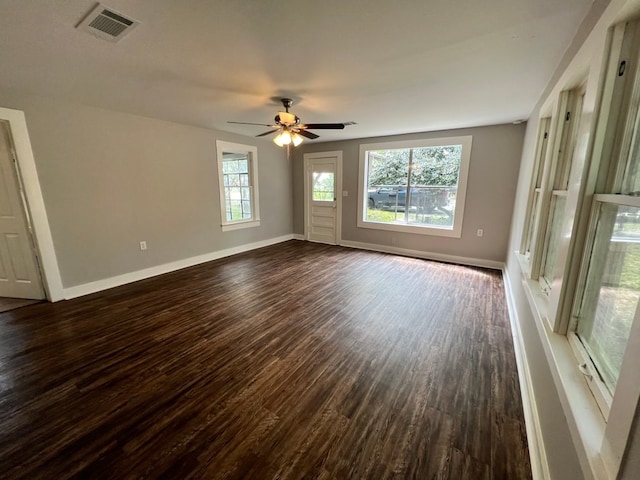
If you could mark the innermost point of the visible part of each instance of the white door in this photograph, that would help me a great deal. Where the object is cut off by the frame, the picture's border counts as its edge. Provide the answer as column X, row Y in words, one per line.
column 322, row 202
column 19, row 274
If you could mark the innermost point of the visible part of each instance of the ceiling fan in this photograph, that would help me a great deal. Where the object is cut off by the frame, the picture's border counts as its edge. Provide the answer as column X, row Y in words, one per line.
column 289, row 128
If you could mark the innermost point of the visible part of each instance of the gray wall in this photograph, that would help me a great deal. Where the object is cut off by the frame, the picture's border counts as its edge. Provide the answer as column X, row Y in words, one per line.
column 110, row 180
column 493, row 175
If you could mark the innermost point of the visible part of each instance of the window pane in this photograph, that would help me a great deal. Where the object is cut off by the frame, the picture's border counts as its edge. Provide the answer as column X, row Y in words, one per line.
column 612, row 290
column 631, row 182
column 237, row 165
column 323, row 187
column 433, row 175
column 557, row 216
column 246, row 209
column 532, row 221
column 436, row 165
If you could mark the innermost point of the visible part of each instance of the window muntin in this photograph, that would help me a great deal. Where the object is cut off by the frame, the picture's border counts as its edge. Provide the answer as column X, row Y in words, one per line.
column 416, row 186
column 238, row 182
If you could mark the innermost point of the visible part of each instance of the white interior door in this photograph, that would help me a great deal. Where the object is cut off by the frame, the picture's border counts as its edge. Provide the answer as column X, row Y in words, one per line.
column 19, row 273
column 322, row 201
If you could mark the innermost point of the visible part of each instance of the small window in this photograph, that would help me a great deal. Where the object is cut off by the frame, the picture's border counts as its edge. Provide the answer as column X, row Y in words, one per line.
column 415, row 186
column 550, row 188
column 533, row 205
column 238, row 179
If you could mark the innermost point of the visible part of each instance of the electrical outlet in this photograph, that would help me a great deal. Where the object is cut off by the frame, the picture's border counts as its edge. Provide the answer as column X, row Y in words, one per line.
column 143, row 245
column 345, row 193
column 480, row 232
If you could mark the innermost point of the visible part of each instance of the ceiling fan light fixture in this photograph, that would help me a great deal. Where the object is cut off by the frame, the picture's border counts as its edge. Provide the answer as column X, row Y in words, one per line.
column 296, row 139
column 283, row 138
column 289, row 129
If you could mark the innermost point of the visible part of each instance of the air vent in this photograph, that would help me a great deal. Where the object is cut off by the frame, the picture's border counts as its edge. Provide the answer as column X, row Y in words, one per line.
column 107, row 24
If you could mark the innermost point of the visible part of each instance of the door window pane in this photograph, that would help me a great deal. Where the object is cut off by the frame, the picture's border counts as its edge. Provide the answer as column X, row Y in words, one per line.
column 323, row 187
column 612, row 290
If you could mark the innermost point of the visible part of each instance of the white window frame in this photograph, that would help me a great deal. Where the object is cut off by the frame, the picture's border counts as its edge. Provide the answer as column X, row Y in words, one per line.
column 617, row 128
column 556, row 166
column 454, row 231
column 535, row 191
column 251, row 152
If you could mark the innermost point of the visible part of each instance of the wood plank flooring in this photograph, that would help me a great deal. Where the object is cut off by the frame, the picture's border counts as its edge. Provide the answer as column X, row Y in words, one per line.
column 293, row 361
column 9, row 303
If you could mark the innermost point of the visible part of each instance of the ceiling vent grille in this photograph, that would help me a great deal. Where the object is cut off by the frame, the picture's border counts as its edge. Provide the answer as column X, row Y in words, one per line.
column 107, row 24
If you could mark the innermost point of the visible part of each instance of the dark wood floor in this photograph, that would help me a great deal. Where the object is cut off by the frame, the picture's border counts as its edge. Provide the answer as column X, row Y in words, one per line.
column 293, row 361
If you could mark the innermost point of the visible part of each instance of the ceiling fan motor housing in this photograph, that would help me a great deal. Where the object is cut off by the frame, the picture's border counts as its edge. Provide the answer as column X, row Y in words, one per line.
column 287, row 119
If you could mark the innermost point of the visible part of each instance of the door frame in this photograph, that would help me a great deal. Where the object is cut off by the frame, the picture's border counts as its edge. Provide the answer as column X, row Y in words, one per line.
column 27, row 173
column 338, row 185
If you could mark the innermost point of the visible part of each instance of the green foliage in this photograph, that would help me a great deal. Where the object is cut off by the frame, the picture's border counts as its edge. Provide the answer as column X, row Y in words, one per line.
column 431, row 166
column 388, row 216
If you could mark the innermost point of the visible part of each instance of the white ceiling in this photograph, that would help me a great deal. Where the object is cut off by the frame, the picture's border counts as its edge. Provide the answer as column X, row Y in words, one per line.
column 392, row 66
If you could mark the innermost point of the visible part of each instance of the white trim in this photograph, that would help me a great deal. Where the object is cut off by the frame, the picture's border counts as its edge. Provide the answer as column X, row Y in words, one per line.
column 618, row 199
column 239, row 225
column 104, row 284
column 473, row 262
column 297, row 236
column 252, row 154
column 456, row 230
column 51, row 279
column 584, row 419
column 537, row 451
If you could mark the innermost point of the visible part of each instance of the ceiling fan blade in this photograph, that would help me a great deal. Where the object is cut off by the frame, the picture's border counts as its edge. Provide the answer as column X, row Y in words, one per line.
column 323, row 126
column 267, row 132
column 309, row 135
column 249, row 123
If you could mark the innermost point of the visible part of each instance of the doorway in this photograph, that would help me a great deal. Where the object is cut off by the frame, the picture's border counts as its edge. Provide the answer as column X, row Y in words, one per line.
column 20, row 275
column 26, row 165
column 323, row 197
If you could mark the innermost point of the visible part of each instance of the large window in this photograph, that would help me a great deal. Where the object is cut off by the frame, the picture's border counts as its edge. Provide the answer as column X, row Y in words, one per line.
column 237, row 171
column 416, row 186
column 609, row 289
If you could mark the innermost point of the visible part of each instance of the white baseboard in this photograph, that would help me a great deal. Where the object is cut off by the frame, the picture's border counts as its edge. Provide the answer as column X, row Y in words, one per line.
column 537, row 453
column 474, row 262
column 297, row 236
column 99, row 285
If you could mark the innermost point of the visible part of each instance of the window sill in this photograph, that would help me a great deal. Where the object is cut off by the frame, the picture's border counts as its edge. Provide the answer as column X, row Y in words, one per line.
column 585, row 421
column 394, row 227
column 240, row 225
